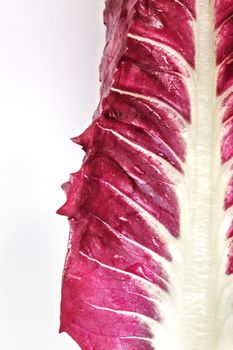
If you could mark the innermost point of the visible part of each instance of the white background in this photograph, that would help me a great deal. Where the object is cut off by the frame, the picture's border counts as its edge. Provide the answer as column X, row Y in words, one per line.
column 49, row 56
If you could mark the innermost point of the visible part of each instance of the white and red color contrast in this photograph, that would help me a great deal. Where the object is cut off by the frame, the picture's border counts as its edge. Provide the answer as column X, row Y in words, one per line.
column 150, row 257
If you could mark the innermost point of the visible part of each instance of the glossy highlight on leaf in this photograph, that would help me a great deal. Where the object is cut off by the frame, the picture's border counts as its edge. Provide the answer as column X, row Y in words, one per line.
column 150, row 257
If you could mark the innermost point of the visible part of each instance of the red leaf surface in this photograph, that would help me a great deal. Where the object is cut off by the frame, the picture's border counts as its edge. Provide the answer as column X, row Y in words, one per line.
column 150, row 210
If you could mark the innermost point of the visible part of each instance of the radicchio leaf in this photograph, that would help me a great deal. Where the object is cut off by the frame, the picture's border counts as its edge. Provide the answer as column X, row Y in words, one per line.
column 150, row 253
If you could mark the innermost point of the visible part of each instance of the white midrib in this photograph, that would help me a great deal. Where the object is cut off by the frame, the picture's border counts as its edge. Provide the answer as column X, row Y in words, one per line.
column 198, row 314
column 194, row 326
